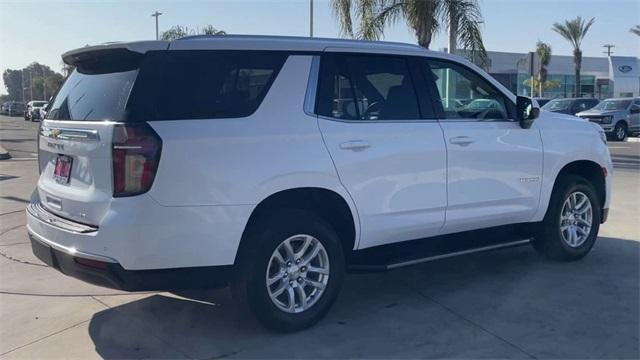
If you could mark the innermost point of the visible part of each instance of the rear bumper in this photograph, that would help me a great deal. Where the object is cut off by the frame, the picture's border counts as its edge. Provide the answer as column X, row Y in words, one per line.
column 95, row 270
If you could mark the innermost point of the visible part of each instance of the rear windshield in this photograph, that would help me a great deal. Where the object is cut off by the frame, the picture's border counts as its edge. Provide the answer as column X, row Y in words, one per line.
column 93, row 96
column 171, row 85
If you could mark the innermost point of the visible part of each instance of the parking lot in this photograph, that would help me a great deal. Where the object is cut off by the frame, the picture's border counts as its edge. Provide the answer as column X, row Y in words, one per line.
column 504, row 304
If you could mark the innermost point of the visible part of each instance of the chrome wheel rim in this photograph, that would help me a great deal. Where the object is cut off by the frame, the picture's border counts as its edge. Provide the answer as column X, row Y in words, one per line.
column 297, row 273
column 620, row 132
column 576, row 218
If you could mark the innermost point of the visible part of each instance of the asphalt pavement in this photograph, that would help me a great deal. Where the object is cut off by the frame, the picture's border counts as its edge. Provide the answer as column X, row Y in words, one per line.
column 503, row 304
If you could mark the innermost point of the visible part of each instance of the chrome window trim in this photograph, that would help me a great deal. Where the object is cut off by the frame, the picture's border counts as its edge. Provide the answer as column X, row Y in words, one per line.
column 400, row 121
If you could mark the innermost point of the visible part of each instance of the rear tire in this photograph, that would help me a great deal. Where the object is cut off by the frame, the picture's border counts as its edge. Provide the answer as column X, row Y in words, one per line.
column 620, row 131
column 570, row 227
column 298, row 278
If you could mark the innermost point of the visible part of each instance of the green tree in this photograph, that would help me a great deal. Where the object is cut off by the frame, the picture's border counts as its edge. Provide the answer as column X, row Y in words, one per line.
column 426, row 18
column 575, row 31
column 635, row 30
column 34, row 82
column 549, row 84
column 179, row 31
column 543, row 50
column 211, row 30
column 13, row 83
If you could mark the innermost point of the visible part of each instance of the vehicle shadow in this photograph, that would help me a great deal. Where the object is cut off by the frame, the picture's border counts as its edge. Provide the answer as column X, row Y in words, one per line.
column 507, row 303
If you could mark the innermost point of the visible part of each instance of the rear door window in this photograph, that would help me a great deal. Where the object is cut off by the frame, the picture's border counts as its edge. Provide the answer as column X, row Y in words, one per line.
column 366, row 87
column 203, row 84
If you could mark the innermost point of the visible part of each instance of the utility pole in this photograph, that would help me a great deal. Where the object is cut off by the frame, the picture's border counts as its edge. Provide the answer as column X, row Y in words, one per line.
column 30, row 85
column 157, row 15
column 310, row 18
column 608, row 47
column 22, row 83
column 44, row 85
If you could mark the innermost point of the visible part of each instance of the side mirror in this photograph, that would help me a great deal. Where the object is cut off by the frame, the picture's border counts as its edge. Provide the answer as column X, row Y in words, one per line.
column 526, row 112
column 635, row 110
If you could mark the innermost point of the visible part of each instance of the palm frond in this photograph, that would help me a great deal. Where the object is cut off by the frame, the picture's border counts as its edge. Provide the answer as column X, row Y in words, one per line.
column 342, row 10
column 423, row 16
column 377, row 16
column 635, row 30
column 464, row 19
column 543, row 50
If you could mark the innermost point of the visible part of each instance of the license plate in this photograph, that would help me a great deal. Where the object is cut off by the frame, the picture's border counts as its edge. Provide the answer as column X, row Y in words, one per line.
column 62, row 171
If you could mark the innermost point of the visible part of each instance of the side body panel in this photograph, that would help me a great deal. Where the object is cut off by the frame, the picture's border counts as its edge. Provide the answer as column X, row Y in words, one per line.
column 398, row 183
column 494, row 179
column 567, row 139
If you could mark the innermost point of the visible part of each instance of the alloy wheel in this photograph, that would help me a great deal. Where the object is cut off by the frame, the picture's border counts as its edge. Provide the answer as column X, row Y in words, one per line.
column 297, row 273
column 576, row 219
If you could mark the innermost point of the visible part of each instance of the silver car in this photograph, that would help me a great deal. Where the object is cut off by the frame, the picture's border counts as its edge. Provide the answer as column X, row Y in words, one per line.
column 617, row 117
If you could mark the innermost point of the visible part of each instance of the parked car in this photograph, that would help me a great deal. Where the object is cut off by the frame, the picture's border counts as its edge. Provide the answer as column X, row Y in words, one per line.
column 34, row 110
column 13, row 108
column 570, row 106
column 294, row 160
column 541, row 101
column 617, row 117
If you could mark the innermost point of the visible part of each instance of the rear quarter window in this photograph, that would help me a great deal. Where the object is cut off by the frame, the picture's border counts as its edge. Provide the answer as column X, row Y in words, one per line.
column 176, row 85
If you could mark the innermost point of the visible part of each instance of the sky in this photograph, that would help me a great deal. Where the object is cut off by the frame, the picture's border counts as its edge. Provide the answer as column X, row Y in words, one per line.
column 42, row 30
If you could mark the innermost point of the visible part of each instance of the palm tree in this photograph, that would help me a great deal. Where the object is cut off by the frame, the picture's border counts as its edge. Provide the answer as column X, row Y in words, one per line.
column 211, row 30
column 635, row 30
column 424, row 17
column 177, row 32
column 574, row 31
column 543, row 50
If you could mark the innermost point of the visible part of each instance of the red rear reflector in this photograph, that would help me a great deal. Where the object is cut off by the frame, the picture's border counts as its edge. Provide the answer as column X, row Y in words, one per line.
column 135, row 153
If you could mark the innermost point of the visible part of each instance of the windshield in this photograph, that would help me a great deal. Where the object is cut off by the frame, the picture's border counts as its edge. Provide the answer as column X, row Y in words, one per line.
column 613, row 105
column 556, row 105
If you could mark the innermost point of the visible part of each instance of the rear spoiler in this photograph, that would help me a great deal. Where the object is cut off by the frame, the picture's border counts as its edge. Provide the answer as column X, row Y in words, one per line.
column 86, row 56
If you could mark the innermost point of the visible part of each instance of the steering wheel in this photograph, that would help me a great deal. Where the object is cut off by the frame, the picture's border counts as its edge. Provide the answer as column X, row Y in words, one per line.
column 373, row 107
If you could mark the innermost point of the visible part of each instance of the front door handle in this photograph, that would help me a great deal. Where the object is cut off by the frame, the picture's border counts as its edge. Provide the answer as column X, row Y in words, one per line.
column 355, row 145
column 461, row 140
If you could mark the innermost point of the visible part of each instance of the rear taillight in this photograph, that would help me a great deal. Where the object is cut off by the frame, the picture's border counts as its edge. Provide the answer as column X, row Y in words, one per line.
column 136, row 153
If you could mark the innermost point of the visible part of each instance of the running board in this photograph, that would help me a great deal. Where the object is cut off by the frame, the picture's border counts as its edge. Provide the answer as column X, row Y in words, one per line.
column 397, row 255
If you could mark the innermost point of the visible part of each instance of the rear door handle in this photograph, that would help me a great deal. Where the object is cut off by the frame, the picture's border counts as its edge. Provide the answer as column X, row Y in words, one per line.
column 461, row 140
column 355, row 145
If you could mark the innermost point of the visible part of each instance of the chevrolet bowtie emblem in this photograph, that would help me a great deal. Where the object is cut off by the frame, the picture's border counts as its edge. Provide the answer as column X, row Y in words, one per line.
column 54, row 133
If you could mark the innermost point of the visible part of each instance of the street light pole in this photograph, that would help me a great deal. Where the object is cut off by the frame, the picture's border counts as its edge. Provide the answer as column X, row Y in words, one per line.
column 44, row 84
column 156, row 15
column 310, row 18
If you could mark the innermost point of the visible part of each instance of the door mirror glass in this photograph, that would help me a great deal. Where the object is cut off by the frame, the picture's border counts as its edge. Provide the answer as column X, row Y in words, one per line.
column 525, row 111
column 635, row 110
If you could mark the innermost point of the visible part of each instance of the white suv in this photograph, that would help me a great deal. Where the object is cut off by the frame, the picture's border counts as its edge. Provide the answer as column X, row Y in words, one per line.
column 278, row 164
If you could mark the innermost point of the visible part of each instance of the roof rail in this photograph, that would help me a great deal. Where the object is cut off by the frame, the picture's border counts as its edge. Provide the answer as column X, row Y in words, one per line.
column 294, row 38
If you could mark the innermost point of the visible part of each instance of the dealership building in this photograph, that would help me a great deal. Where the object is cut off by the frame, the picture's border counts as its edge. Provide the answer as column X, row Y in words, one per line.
column 601, row 77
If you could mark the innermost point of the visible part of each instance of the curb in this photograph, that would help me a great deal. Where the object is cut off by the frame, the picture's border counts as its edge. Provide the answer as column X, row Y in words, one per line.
column 4, row 154
column 633, row 139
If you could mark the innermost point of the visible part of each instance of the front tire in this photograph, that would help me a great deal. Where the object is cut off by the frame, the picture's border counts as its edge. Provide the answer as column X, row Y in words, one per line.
column 620, row 131
column 570, row 227
column 294, row 274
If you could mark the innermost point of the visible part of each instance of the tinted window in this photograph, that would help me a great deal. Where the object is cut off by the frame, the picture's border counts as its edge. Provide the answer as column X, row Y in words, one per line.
column 101, row 96
column 204, row 84
column 465, row 94
column 363, row 87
